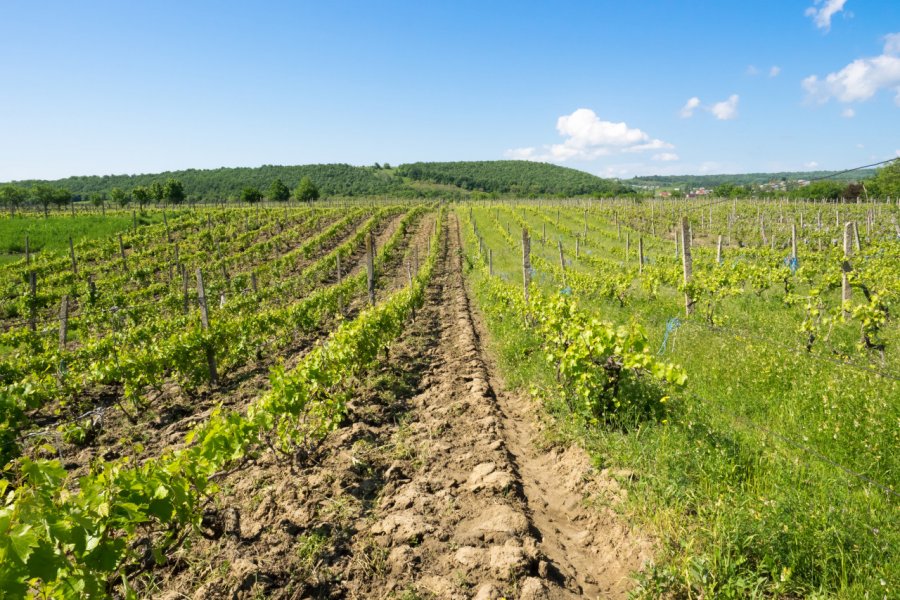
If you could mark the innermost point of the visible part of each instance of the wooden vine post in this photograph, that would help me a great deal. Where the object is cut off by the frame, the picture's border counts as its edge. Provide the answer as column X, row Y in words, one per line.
column 370, row 267
column 562, row 262
column 63, row 322
column 122, row 252
column 32, row 311
column 72, row 256
column 719, row 251
column 337, row 267
column 204, row 321
column 184, row 289
column 641, row 255
column 526, row 262
column 846, row 268
column 27, row 252
column 793, row 241
column 688, row 264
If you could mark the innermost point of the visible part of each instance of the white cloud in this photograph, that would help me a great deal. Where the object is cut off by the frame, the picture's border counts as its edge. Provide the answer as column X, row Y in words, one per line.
column 687, row 111
column 848, row 113
column 584, row 129
column 892, row 44
column 665, row 156
column 587, row 137
column 774, row 71
column 520, row 153
column 822, row 16
column 752, row 71
column 727, row 109
column 811, row 165
column 861, row 79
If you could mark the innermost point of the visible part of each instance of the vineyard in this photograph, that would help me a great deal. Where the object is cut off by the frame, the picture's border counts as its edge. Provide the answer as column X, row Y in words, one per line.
column 489, row 399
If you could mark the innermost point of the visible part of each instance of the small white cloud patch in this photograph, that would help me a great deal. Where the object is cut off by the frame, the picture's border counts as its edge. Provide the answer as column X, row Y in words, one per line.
column 774, row 71
column 519, row 153
column 822, row 16
column 687, row 111
column 727, row 109
column 665, row 156
column 848, row 113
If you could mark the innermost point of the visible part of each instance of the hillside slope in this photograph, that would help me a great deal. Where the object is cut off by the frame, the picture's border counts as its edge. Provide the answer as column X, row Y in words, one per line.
column 519, row 177
column 417, row 180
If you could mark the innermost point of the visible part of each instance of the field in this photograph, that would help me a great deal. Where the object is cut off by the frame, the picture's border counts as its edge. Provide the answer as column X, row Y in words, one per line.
column 355, row 400
column 52, row 234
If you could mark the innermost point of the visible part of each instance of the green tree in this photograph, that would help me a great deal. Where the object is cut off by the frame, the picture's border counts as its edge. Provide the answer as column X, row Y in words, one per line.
column 251, row 195
column 822, row 190
column 142, row 195
column 278, row 192
column 120, row 197
column 42, row 194
column 173, row 191
column 97, row 199
column 13, row 196
column 887, row 180
column 157, row 192
column 61, row 197
column 306, row 190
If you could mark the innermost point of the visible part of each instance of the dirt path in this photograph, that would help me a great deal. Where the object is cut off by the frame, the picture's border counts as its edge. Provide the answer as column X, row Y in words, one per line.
column 480, row 511
column 434, row 488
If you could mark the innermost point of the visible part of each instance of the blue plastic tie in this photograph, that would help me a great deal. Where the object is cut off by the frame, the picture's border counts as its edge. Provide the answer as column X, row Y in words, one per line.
column 792, row 263
column 566, row 291
column 671, row 325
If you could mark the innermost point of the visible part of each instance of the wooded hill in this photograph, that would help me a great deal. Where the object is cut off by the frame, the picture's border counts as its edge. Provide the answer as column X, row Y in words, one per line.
column 516, row 177
column 423, row 180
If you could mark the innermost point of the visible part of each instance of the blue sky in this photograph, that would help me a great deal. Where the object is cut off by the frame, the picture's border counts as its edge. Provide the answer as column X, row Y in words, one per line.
column 603, row 86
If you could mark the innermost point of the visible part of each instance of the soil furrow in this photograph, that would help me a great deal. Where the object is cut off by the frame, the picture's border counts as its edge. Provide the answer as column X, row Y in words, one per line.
column 435, row 487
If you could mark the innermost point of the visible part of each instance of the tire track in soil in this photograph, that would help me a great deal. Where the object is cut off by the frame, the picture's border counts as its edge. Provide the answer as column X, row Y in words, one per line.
column 486, row 514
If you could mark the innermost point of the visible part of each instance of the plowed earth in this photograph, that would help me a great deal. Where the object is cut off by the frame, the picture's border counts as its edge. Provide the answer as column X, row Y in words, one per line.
column 435, row 487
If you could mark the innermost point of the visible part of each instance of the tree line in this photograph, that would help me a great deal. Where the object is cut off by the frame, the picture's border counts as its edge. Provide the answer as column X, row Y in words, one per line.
column 14, row 197
column 885, row 183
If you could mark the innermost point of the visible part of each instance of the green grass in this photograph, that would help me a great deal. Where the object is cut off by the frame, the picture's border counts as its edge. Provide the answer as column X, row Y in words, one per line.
column 740, row 508
column 52, row 234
